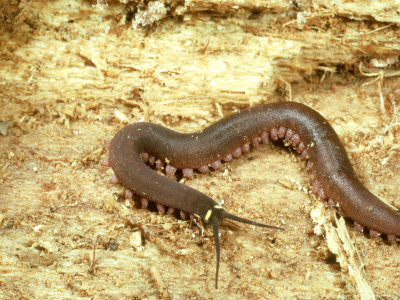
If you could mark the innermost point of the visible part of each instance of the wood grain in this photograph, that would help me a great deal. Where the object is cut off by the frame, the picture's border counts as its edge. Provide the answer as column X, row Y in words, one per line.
column 73, row 73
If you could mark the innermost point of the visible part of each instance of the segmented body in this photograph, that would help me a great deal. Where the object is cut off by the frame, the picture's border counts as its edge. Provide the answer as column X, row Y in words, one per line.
column 299, row 126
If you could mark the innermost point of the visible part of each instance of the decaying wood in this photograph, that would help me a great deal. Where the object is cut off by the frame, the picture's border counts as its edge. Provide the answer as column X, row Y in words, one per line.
column 74, row 72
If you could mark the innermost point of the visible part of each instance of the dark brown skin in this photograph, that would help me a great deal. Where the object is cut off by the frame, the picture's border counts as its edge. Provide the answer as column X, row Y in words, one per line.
column 331, row 165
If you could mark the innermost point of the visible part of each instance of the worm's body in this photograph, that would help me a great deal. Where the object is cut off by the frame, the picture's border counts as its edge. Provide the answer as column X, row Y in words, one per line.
column 300, row 126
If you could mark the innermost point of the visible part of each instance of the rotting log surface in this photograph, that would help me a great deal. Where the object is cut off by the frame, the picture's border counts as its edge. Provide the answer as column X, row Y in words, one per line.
column 73, row 73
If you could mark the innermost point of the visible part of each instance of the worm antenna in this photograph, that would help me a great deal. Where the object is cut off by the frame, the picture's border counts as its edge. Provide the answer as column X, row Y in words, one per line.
column 217, row 218
column 217, row 248
column 226, row 215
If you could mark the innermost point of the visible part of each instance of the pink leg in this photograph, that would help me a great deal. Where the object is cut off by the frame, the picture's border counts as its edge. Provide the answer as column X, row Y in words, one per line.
column 114, row 179
column 237, row 153
column 295, row 140
column 264, row 137
column 105, row 162
column 322, row 194
column 391, row 238
column 281, row 132
column 316, row 187
column 245, row 148
column 161, row 208
column 184, row 215
column 216, row 165
column 144, row 156
column 170, row 171
column 289, row 134
column 228, row 157
column 358, row 227
column 144, row 202
column 274, row 134
column 374, row 234
column 331, row 202
column 159, row 164
column 203, row 169
column 301, row 147
column 188, row 173
column 255, row 143
column 128, row 194
column 152, row 160
column 304, row 155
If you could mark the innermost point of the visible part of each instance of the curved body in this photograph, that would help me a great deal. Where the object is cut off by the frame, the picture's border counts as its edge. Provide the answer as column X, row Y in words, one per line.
column 329, row 159
column 300, row 126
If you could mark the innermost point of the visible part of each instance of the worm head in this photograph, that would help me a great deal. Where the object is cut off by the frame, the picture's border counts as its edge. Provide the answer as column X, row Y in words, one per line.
column 214, row 217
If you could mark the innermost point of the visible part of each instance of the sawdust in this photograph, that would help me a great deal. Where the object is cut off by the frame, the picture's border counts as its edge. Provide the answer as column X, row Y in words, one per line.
column 73, row 73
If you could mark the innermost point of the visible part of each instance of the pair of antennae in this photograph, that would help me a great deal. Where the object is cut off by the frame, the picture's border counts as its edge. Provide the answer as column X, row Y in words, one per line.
column 215, row 224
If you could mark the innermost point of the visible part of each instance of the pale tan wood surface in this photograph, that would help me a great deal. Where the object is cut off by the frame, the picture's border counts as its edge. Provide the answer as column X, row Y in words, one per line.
column 72, row 73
